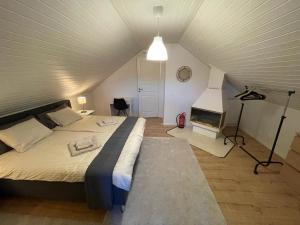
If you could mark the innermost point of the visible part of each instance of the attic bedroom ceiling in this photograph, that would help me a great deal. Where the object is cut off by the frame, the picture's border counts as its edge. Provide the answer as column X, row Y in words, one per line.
column 255, row 42
column 53, row 49
column 138, row 15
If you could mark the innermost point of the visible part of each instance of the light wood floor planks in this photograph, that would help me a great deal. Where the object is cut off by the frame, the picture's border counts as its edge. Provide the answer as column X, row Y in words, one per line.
column 52, row 209
column 244, row 198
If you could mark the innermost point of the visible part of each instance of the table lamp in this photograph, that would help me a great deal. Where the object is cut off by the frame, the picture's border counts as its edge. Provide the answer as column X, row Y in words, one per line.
column 82, row 101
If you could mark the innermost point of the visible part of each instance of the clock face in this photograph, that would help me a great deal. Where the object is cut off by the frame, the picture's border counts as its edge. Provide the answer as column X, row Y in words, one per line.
column 184, row 73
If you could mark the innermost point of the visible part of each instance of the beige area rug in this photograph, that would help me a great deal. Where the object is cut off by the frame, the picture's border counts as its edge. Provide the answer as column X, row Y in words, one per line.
column 169, row 188
column 213, row 146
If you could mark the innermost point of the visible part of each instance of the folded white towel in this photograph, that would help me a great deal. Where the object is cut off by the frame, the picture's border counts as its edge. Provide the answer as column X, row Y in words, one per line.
column 108, row 121
column 103, row 123
column 83, row 145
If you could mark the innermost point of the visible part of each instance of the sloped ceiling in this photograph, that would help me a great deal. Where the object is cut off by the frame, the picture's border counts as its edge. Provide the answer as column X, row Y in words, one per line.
column 138, row 15
column 52, row 49
column 256, row 42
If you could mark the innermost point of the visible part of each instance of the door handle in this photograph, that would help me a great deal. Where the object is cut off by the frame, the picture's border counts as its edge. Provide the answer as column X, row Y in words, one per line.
column 140, row 89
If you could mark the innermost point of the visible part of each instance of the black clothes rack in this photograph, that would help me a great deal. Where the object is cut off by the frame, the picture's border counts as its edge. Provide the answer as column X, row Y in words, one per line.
column 236, row 135
column 259, row 162
column 244, row 96
column 283, row 117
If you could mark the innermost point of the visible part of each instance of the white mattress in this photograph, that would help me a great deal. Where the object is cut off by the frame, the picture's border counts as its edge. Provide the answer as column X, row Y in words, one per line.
column 50, row 159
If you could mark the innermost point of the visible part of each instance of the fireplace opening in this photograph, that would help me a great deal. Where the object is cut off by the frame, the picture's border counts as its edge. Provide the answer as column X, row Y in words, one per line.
column 207, row 118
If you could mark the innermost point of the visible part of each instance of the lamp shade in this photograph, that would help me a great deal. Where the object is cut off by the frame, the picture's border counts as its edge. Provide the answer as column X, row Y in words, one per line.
column 81, row 100
column 157, row 50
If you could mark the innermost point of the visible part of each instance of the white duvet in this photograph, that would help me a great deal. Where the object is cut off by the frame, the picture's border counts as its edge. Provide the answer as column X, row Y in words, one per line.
column 89, row 124
column 50, row 159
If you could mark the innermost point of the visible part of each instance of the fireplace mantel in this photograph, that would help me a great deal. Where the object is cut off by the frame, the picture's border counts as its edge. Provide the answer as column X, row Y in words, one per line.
column 207, row 122
column 208, row 111
column 207, row 118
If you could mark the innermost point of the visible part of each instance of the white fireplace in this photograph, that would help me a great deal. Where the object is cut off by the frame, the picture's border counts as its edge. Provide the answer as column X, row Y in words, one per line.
column 207, row 113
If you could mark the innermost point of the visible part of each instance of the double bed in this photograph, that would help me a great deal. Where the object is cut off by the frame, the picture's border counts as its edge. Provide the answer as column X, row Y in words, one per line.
column 102, row 177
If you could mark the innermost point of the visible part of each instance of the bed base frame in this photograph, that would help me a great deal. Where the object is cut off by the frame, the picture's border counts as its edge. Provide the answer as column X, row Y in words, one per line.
column 46, row 189
column 52, row 190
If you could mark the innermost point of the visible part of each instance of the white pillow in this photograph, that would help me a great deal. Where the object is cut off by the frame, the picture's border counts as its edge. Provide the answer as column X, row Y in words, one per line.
column 23, row 136
column 64, row 117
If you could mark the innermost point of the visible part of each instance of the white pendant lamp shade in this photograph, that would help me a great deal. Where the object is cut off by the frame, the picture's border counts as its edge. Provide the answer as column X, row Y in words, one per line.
column 157, row 50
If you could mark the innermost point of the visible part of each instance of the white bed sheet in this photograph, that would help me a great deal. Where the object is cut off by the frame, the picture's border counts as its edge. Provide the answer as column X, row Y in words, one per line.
column 89, row 124
column 50, row 159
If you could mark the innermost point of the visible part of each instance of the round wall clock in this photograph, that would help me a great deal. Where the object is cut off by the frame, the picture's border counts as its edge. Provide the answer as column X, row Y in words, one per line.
column 184, row 73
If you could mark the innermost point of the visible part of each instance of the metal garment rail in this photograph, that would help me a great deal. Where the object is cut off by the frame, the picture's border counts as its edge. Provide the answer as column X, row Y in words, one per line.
column 236, row 135
column 259, row 162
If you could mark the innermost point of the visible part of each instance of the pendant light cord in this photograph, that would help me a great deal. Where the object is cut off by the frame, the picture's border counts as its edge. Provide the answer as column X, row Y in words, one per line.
column 157, row 24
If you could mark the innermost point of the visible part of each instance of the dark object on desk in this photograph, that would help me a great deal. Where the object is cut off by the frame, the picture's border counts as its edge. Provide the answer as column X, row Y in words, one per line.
column 121, row 105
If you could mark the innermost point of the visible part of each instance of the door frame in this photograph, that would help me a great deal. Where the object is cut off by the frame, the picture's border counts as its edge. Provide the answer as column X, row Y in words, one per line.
column 162, row 76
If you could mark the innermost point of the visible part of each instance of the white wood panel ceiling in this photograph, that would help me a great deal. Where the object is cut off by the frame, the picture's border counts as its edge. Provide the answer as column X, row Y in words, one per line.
column 52, row 49
column 257, row 42
column 138, row 15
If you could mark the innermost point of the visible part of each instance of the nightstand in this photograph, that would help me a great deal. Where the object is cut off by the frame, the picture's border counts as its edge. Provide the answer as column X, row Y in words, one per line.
column 86, row 112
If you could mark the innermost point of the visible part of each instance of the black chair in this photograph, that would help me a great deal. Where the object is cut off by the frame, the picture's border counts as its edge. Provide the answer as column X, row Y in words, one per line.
column 121, row 105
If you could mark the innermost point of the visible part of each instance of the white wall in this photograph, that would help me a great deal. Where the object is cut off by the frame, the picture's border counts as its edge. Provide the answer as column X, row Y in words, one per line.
column 261, row 119
column 122, row 82
column 231, row 104
column 179, row 97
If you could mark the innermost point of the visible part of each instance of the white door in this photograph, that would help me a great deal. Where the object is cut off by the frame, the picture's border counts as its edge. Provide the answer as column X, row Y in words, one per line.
column 149, row 77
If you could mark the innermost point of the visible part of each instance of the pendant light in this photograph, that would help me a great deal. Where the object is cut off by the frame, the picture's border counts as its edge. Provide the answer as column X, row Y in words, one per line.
column 157, row 50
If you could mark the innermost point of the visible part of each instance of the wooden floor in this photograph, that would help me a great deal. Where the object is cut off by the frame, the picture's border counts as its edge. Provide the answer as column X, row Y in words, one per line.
column 244, row 198
column 52, row 209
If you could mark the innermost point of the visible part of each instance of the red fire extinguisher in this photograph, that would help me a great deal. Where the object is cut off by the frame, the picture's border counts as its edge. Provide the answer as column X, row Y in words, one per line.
column 180, row 119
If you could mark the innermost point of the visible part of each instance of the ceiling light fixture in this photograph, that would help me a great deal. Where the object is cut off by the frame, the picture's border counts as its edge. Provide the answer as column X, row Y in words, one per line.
column 157, row 50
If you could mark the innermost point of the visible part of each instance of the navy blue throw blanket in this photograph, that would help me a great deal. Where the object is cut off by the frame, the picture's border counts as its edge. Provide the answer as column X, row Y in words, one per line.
column 98, row 177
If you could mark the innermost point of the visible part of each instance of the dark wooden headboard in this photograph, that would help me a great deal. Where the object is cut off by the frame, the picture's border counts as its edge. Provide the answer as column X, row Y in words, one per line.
column 32, row 112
